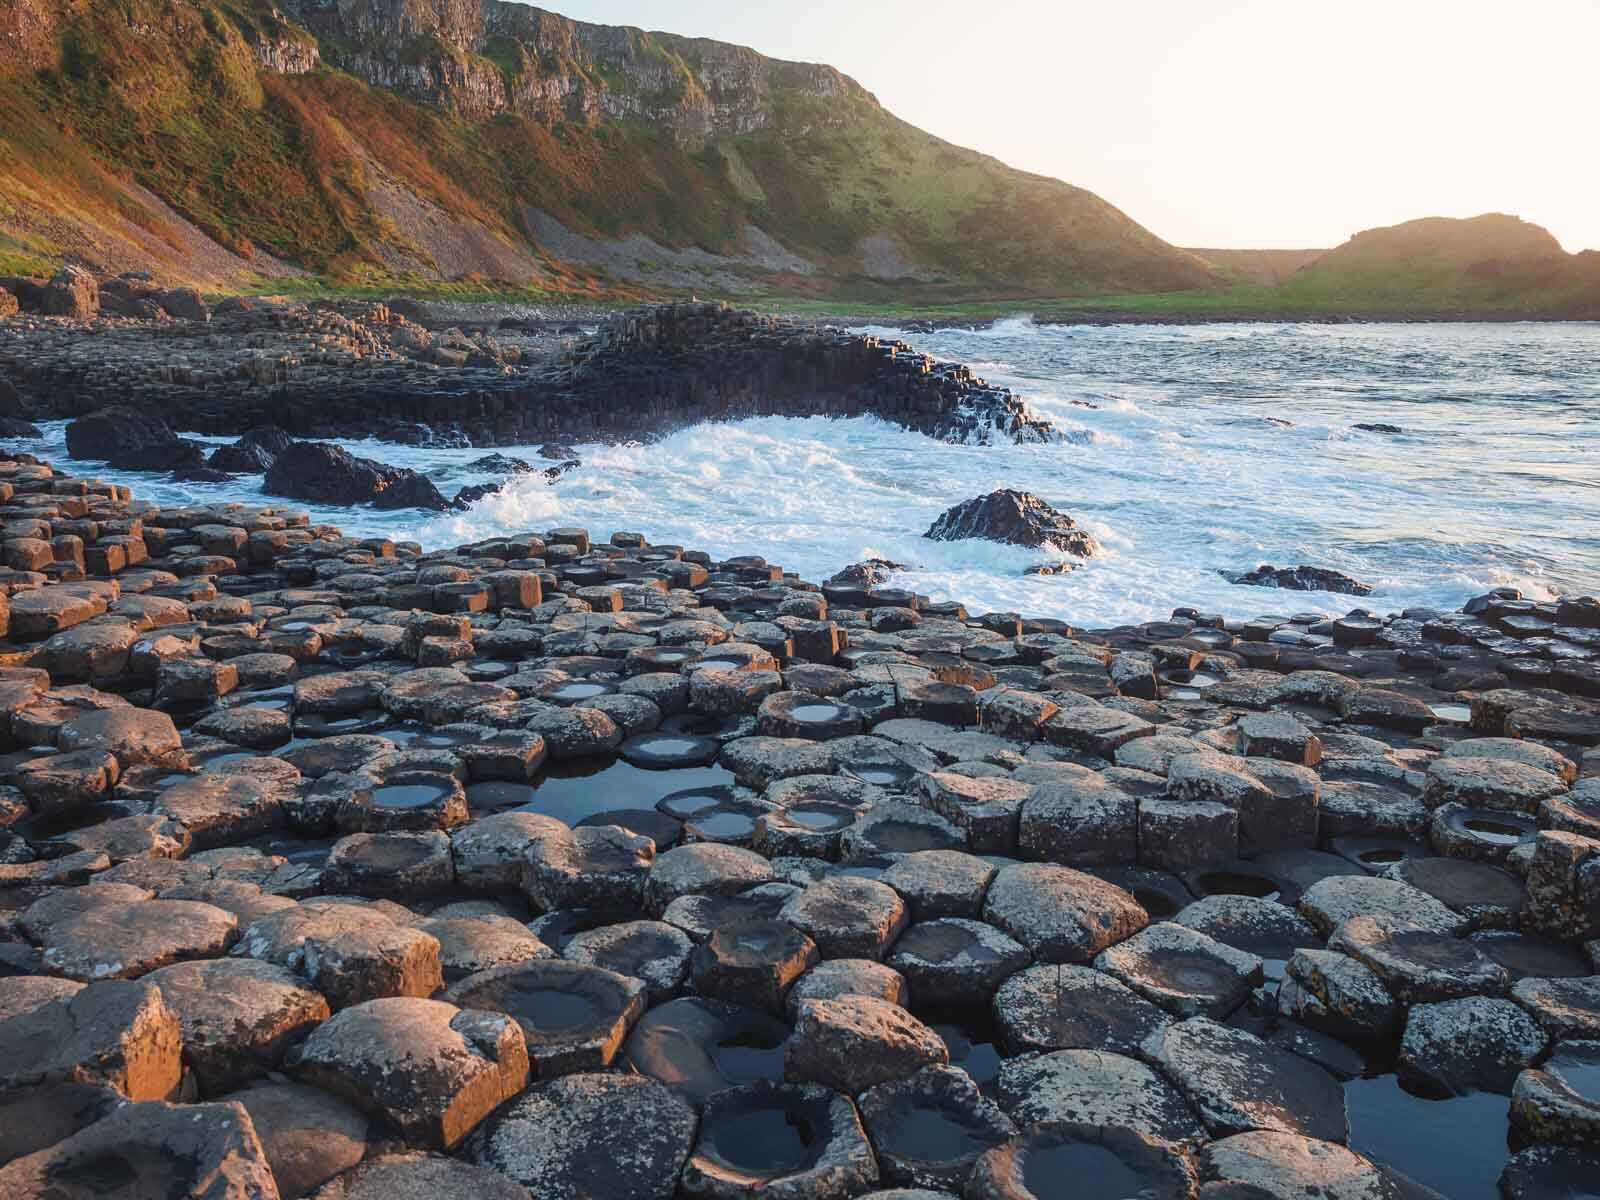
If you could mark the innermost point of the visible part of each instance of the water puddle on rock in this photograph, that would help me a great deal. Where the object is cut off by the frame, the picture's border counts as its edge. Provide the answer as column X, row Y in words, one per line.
column 1457, row 1147
column 571, row 791
column 1079, row 1171
column 765, row 1143
column 408, row 795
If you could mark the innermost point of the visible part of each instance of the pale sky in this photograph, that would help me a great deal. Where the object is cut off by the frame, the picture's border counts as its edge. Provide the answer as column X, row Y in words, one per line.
column 1244, row 123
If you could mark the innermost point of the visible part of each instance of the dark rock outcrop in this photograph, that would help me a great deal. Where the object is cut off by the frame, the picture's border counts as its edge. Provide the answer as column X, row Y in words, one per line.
column 1017, row 518
column 1299, row 579
column 326, row 474
column 129, row 440
column 174, row 454
column 242, row 458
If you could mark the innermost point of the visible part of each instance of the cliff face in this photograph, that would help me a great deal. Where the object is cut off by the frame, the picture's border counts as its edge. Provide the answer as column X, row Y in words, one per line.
column 481, row 58
column 391, row 141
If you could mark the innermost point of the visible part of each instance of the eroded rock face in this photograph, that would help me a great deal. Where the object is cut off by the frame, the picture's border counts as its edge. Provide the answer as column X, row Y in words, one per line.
column 1017, row 518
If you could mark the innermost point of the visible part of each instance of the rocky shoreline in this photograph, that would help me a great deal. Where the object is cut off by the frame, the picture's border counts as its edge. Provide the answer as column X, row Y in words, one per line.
column 339, row 868
column 361, row 369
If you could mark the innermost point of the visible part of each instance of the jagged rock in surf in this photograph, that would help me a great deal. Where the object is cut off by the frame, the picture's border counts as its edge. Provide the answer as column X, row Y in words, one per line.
column 1016, row 518
column 1299, row 579
column 329, row 475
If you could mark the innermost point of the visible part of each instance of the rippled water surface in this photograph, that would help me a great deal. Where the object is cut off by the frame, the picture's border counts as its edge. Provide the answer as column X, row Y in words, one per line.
column 1188, row 450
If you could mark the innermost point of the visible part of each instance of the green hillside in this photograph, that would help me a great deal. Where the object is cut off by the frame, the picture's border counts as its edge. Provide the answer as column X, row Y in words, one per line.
column 220, row 140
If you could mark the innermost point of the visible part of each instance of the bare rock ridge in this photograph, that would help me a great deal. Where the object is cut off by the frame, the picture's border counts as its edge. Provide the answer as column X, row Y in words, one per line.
column 365, row 370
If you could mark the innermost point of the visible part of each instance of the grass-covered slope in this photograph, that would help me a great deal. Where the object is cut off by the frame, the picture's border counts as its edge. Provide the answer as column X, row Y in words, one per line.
column 211, row 140
column 1492, row 263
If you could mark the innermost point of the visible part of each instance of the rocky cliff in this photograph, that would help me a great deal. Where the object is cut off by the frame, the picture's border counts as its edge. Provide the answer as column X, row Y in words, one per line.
column 394, row 141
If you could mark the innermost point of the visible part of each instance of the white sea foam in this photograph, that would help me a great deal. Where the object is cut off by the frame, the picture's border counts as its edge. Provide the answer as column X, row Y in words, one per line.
column 1176, row 468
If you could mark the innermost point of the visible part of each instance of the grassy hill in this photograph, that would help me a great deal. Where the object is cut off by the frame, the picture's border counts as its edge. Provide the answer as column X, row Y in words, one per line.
column 1492, row 263
column 453, row 143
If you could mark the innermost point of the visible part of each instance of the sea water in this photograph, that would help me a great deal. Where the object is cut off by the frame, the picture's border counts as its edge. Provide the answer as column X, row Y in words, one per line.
column 1186, row 450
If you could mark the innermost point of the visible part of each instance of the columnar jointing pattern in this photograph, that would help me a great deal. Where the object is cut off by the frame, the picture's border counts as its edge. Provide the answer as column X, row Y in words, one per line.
column 552, row 867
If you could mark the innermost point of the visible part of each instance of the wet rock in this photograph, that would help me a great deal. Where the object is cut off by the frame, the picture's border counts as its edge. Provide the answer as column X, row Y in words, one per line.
column 1059, row 914
column 1331, row 901
column 847, row 977
column 1300, row 579
column 1418, row 965
column 1335, row 993
column 848, row 917
column 752, row 962
column 1046, row 1008
column 856, row 1042
column 1017, row 518
column 324, row 474
column 1094, row 1087
column 1564, row 1008
column 703, row 869
column 430, row 1069
column 1183, row 970
column 699, row 1046
column 590, row 1137
column 573, row 1017
column 1286, row 1166
column 150, row 1149
column 779, row 1141
column 1121, row 1161
column 390, row 865
column 929, row 1129
column 351, row 953
column 1559, row 1102
column 1081, row 822
column 592, row 866
column 1238, row 1083
column 953, row 963
column 239, row 1017
column 940, row 883
column 1540, row 1172
column 653, row 952
column 117, row 1034
column 1472, row 1044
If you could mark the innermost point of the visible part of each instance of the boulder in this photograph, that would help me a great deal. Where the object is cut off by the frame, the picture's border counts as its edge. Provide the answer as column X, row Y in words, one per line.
column 1299, row 579
column 1017, row 518
column 71, row 292
column 117, row 430
column 324, row 474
